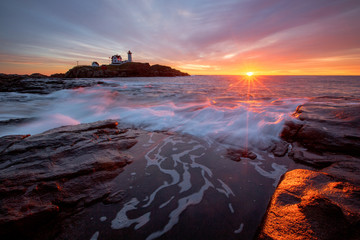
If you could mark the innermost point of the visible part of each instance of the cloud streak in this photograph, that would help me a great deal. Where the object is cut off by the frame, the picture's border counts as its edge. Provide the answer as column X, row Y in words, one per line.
column 227, row 37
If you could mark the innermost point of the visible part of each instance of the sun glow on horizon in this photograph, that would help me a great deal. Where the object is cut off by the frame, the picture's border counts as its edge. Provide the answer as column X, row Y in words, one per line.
column 249, row 74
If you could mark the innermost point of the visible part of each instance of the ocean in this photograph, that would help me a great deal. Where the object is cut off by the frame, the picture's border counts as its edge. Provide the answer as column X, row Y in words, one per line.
column 216, row 108
column 185, row 186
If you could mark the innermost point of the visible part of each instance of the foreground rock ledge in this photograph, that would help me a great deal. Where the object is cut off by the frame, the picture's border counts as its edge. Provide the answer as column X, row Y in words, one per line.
column 322, row 203
column 324, row 131
column 314, row 205
column 47, row 176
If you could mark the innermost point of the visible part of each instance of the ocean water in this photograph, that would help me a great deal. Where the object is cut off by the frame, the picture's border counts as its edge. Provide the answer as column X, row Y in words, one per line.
column 184, row 186
column 225, row 109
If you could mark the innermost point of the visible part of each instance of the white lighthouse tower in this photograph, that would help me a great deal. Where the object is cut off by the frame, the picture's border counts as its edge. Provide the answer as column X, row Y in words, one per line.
column 129, row 56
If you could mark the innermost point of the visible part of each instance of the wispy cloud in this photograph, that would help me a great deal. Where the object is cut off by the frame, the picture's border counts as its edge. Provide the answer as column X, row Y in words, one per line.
column 272, row 35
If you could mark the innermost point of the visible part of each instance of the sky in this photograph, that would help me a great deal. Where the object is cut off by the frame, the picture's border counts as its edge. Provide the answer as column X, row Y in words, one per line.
column 271, row 37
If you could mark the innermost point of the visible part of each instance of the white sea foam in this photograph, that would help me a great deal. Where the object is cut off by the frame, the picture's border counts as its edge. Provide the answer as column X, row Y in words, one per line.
column 95, row 236
column 181, row 167
column 239, row 230
column 275, row 174
column 167, row 202
column 214, row 113
column 226, row 188
column 231, row 208
column 121, row 220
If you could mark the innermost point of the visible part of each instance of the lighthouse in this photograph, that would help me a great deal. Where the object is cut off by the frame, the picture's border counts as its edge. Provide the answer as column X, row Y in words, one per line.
column 129, row 56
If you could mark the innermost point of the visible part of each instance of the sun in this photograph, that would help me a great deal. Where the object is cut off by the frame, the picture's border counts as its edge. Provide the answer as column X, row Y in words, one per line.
column 249, row 74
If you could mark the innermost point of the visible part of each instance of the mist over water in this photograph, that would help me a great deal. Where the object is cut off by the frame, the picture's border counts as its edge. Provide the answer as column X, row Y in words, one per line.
column 233, row 110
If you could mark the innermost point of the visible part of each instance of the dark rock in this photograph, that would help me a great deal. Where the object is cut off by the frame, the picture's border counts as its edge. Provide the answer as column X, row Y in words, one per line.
column 11, row 77
column 15, row 121
column 327, row 125
column 348, row 169
column 280, row 148
column 42, row 85
column 58, row 75
column 59, row 172
column 313, row 205
column 165, row 71
column 319, row 204
column 237, row 154
column 129, row 69
column 114, row 197
column 38, row 75
column 310, row 159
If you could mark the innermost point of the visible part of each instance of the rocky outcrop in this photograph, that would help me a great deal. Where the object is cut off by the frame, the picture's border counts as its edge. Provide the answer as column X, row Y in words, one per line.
column 315, row 205
column 322, row 203
column 14, row 77
column 327, row 127
column 48, row 176
column 58, row 75
column 44, row 85
column 129, row 69
column 165, row 71
column 237, row 154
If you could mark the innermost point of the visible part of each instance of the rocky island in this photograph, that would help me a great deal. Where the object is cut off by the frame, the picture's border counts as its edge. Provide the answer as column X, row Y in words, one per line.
column 128, row 69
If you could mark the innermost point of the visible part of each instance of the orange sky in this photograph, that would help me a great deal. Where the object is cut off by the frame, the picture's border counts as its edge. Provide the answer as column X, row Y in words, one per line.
column 266, row 37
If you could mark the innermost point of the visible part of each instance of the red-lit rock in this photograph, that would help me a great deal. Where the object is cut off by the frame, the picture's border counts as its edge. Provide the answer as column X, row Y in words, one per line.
column 314, row 205
column 324, row 204
column 49, row 175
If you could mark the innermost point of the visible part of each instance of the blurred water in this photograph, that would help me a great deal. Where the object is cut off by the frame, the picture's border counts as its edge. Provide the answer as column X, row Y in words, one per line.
column 232, row 110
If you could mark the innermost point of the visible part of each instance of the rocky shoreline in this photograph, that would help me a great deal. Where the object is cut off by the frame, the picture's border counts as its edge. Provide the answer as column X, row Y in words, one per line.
column 49, row 176
column 323, row 203
column 42, row 84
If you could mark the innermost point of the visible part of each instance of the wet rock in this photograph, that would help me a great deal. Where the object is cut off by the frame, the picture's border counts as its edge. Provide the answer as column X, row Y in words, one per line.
column 326, row 125
column 115, row 196
column 279, row 149
column 44, row 85
column 311, row 159
column 59, row 172
column 313, row 205
column 290, row 130
column 348, row 169
column 237, row 154
column 11, row 77
column 324, row 204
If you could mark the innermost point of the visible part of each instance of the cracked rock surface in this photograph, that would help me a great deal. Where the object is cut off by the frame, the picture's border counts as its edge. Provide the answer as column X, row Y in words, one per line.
column 50, row 175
